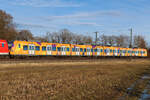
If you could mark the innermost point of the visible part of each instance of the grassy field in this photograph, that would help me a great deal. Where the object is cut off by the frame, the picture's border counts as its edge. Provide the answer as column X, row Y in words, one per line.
column 78, row 80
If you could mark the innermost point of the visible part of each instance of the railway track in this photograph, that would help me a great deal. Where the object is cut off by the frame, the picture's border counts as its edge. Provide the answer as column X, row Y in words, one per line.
column 66, row 59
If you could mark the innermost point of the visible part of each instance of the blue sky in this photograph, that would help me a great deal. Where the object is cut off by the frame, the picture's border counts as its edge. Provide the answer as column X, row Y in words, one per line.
column 111, row 17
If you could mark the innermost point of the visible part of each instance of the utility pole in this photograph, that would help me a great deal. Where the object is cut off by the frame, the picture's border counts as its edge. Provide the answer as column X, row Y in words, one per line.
column 131, row 35
column 96, row 33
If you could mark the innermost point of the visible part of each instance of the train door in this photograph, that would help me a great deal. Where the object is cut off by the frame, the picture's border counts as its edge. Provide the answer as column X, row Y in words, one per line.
column 63, row 50
column 49, row 50
column 101, row 52
column 77, row 51
column 123, row 52
column 88, row 52
column 98, row 51
column 31, row 49
column 130, row 52
column 116, row 52
column 136, row 53
column 142, row 53
column 107, row 51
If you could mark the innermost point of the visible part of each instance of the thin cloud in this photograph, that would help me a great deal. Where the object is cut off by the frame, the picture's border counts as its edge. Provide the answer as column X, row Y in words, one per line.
column 82, row 18
column 45, row 3
column 84, row 23
column 86, row 15
column 28, row 25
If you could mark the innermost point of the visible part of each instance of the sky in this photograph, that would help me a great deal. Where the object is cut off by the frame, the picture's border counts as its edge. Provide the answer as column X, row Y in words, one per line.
column 109, row 17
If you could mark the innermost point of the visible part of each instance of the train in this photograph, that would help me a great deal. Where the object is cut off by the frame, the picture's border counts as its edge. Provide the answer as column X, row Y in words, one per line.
column 30, row 48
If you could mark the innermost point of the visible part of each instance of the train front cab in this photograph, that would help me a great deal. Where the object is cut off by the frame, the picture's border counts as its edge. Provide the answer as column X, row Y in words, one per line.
column 4, row 48
column 24, row 48
column 21, row 48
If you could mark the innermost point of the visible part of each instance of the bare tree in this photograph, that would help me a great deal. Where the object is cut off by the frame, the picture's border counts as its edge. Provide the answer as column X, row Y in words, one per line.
column 87, row 40
column 111, row 40
column 25, row 35
column 122, row 41
column 77, row 39
column 103, row 40
column 139, row 42
column 7, row 27
column 66, row 36
column 39, row 39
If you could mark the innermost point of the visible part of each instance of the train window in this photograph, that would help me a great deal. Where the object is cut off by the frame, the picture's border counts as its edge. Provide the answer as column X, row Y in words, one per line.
column 95, row 50
column 81, row 50
column 54, row 48
column 98, row 50
column 73, row 49
column 78, row 49
column 43, row 48
column 105, row 51
column 32, row 47
column 84, row 50
column 37, row 48
column 68, row 49
column 91, row 50
column 48, row 48
column 88, row 50
column 110, row 51
column 25, row 47
column 118, row 51
column 58, row 48
column 101, row 50
column 125, row 51
column 62, row 49
column 113, row 51
column 19, row 46
column 3, row 45
column 121, row 51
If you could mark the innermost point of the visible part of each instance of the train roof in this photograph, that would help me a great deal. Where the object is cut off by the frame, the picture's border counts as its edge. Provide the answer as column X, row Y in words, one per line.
column 79, row 44
column 2, row 40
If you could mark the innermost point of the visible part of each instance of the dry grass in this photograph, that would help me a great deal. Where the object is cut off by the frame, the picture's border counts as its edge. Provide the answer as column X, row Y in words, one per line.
column 58, row 80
